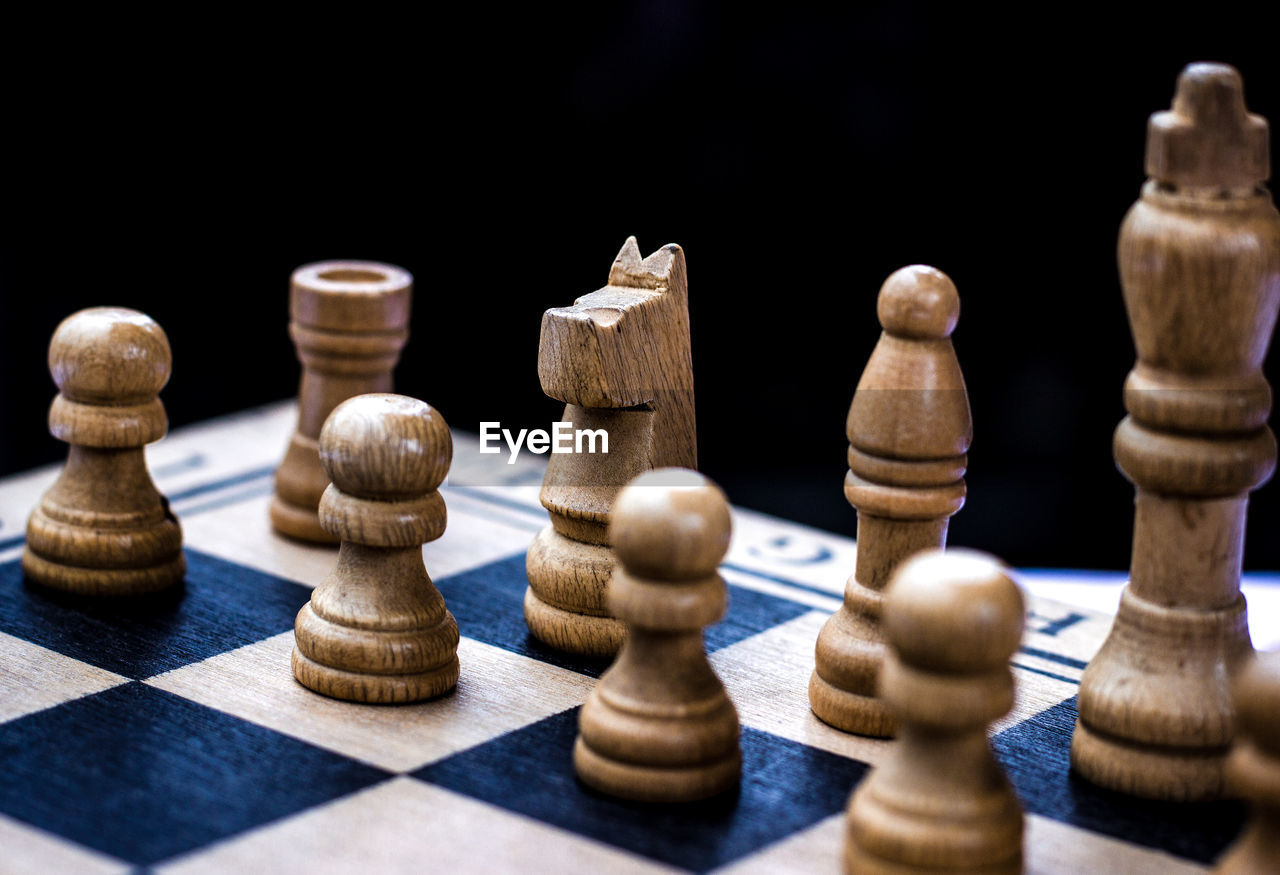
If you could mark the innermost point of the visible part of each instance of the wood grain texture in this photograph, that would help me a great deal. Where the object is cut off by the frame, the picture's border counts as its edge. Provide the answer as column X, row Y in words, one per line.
column 1199, row 262
column 34, row 678
column 659, row 726
column 499, row 692
column 103, row 528
column 1253, row 767
column 377, row 629
column 620, row 360
column 909, row 429
column 29, row 851
column 226, row 643
column 939, row 801
column 397, row 825
column 349, row 320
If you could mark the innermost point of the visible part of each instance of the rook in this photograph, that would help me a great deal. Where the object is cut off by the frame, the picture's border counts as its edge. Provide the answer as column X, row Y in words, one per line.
column 349, row 320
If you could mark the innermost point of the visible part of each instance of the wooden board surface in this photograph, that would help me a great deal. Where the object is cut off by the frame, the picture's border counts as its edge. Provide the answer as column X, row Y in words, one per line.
column 172, row 736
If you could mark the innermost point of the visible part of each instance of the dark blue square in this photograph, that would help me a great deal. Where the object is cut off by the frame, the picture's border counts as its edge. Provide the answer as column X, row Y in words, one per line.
column 785, row 788
column 220, row 607
column 1036, row 753
column 488, row 603
column 143, row 775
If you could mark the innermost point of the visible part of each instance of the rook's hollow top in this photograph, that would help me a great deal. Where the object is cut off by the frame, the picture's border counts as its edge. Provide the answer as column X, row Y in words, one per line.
column 670, row 524
column 351, row 296
column 385, row 446
column 110, row 355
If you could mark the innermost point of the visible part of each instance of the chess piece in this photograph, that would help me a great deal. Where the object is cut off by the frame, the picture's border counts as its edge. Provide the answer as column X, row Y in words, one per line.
column 349, row 320
column 939, row 801
column 619, row 358
column 1200, row 266
column 103, row 529
column 1253, row 768
column 659, row 726
column 909, row 431
column 377, row 629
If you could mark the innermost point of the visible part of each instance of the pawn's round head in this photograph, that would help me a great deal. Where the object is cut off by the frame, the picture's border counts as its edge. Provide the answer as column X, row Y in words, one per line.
column 385, row 447
column 954, row 610
column 918, row 302
column 110, row 355
column 670, row 524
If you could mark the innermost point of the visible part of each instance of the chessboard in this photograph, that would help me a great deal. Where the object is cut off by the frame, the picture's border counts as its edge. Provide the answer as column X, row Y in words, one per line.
column 168, row 734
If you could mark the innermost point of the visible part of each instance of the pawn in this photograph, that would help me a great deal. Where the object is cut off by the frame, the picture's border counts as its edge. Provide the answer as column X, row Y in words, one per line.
column 103, row 528
column 909, row 430
column 377, row 629
column 1253, row 768
column 659, row 726
column 939, row 801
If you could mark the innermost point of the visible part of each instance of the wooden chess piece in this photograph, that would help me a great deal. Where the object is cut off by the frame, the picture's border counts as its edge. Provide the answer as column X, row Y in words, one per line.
column 103, row 528
column 349, row 321
column 1253, row 768
column 939, row 802
column 909, row 431
column 1200, row 266
column 619, row 358
column 377, row 629
column 659, row 726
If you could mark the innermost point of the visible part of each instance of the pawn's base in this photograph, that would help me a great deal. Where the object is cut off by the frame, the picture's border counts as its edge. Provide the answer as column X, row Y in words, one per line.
column 858, row 862
column 96, row 553
column 649, row 784
column 849, row 712
column 375, row 665
column 1179, row 774
column 374, row 688
column 298, row 522
column 103, row 581
column 574, row 633
column 966, row 822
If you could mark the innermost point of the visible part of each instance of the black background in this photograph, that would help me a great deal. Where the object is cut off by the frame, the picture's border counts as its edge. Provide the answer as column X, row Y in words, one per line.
column 185, row 165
